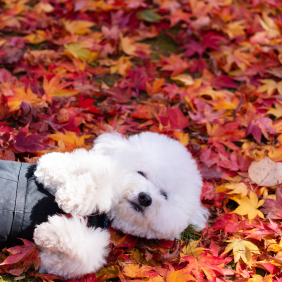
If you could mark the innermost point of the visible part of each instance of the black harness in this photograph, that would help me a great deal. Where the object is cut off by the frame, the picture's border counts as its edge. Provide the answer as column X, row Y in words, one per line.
column 24, row 203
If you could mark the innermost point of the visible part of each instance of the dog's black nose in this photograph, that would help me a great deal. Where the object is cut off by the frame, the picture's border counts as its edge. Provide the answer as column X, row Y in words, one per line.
column 144, row 199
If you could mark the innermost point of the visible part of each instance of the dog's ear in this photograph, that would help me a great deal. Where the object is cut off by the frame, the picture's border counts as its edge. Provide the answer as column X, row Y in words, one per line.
column 109, row 143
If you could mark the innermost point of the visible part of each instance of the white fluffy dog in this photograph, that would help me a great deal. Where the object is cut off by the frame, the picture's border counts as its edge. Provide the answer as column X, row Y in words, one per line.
column 148, row 184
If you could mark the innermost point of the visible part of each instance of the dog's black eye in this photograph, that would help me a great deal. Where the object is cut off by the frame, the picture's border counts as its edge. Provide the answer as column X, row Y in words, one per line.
column 164, row 194
column 142, row 173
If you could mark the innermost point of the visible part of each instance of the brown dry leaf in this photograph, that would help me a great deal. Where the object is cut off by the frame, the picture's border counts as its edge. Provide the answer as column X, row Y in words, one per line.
column 266, row 172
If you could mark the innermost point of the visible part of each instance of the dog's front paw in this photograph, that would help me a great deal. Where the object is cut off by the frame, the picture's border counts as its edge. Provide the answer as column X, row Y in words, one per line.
column 48, row 234
column 69, row 247
column 81, row 195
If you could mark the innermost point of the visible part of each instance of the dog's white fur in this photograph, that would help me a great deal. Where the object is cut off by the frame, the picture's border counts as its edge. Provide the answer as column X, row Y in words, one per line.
column 107, row 178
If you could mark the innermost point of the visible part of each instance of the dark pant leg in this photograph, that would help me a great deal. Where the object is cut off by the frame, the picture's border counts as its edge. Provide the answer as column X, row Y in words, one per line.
column 9, row 175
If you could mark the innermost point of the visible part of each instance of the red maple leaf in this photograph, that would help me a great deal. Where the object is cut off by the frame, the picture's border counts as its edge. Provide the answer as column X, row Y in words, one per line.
column 28, row 142
column 260, row 126
column 88, row 105
column 177, row 119
column 22, row 258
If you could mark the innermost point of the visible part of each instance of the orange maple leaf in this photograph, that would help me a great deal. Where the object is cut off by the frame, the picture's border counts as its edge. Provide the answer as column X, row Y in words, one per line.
column 68, row 141
column 78, row 27
column 175, row 64
column 54, row 88
column 205, row 264
column 21, row 95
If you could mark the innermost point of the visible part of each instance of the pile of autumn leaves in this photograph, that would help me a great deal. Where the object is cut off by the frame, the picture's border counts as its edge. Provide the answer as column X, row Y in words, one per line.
column 207, row 73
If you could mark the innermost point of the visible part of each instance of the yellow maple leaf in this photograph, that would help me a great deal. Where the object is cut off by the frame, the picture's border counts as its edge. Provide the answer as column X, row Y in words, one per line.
column 236, row 28
column 269, row 86
column 192, row 250
column 275, row 154
column 43, row 7
column 185, row 79
column 131, row 270
column 236, row 188
column 183, row 138
column 276, row 111
column 241, row 249
column 68, row 141
column 21, row 95
column 249, row 206
column 37, row 37
column 121, row 66
column 180, row 276
column 239, row 57
column 258, row 278
column 134, row 270
column 127, row 45
column 226, row 104
column 199, row 7
column 130, row 47
column 158, row 279
column 269, row 25
column 275, row 247
column 78, row 27
column 80, row 51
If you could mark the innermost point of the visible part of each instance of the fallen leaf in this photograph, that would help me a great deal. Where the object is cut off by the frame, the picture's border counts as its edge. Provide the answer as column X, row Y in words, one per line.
column 236, row 188
column 149, row 15
column 53, row 88
column 10, row 54
column 266, row 172
column 21, row 95
column 80, row 51
column 249, row 206
column 191, row 249
column 27, row 142
column 205, row 264
column 181, row 275
column 273, row 207
column 184, row 79
column 27, row 253
column 78, row 27
column 241, row 249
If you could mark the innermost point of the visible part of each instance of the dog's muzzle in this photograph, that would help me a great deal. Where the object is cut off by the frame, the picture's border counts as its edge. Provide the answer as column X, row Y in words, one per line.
column 144, row 199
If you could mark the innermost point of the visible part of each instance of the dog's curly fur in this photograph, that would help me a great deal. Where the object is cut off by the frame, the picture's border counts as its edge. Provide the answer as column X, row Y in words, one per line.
column 112, row 177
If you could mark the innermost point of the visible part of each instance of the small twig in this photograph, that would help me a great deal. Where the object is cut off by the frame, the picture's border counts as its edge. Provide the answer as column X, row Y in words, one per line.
column 96, row 213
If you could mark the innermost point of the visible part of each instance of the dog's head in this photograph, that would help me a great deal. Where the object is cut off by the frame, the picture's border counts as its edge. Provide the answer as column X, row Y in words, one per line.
column 159, row 192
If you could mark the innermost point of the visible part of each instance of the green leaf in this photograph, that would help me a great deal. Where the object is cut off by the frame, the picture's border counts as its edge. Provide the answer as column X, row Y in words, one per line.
column 149, row 15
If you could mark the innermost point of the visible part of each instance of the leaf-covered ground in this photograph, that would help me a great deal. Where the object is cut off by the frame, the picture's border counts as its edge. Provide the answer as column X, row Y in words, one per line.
column 205, row 72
